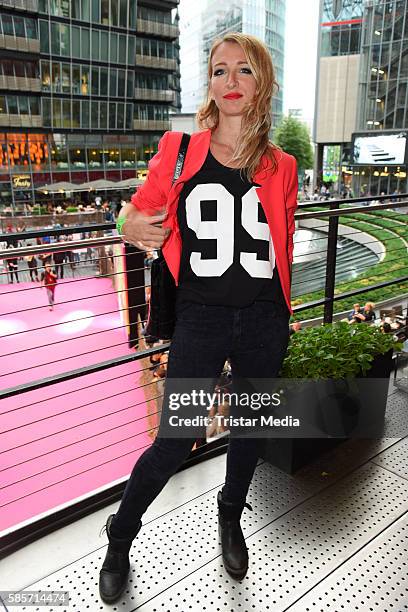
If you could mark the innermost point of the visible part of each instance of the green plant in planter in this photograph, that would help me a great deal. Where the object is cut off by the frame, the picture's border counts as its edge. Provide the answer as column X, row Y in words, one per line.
column 337, row 350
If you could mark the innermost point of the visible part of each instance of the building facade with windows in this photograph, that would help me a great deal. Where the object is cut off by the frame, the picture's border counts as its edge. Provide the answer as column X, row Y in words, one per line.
column 86, row 89
column 362, row 91
column 201, row 24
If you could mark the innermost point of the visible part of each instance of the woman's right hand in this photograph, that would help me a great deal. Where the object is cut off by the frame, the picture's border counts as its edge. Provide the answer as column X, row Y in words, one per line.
column 143, row 231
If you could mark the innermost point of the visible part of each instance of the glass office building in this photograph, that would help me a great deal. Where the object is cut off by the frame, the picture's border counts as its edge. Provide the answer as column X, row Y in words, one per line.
column 262, row 18
column 86, row 88
column 362, row 91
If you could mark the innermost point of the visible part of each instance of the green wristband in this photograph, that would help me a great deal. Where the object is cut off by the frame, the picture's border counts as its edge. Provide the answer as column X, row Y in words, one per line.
column 119, row 224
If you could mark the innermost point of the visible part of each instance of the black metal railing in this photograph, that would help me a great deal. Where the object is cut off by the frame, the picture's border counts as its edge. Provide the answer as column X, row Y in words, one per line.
column 331, row 212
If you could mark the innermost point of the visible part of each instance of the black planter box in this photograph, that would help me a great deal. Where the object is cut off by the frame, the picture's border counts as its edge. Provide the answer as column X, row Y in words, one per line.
column 337, row 416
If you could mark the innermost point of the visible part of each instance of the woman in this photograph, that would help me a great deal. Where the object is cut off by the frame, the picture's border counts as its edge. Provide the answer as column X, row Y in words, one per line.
column 49, row 281
column 228, row 241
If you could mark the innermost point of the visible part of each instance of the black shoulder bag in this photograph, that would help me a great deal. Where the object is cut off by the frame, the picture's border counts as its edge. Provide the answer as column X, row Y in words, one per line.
column 162, row 308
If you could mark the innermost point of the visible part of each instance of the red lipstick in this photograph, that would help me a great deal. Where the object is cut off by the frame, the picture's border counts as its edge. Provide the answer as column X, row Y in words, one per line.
column 233, row 96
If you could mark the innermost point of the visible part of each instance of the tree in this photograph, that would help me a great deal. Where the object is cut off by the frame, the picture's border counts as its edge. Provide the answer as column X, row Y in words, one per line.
column 293, row 137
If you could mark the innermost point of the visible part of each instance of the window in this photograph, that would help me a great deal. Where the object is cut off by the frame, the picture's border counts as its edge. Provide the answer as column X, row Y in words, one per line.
column 122, row 49
column 112, row 115
column 19, row 69
column 128, row 155
column 95, row 81
column 85, row 44
column 130, row 83
column 132, row 14
column 105, row 12
column 8, row 67
column 44, row 37
column 59, row 158
column 55, row 39
column 12, row 105
column 34, row 105
column 31, row 70
column 103, row 115
column 76, row 41
column 61, row 7
column 85, row 80
column 121, row 115
column 76, row 9
column 112, row 158
column 114, row 47
column 85, row 113
column 45, row 76
column 105, row 46
column 95, row 44
column 76, row 79
column 65, row 40
column 121, row 83
column 131, row 49
column 96, row 13
column 86, row 15
column 123, row 13
column 56, row 76
column 113, row 82
column 46, row 112
column 104, row 82
column 19, row 27
column 114, row 12
column 66, row 78
column 95, row 158
column 76, row 120
column 129, row 116
column 77, row 156
column 66, row 113
column 8, row 29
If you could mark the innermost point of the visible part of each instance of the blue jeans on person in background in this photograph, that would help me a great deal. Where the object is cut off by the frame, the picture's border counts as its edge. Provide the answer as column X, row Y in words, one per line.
column 255, row 340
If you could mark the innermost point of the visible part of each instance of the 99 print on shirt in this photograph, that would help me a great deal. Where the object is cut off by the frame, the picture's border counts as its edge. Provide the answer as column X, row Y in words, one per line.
column 222, row 230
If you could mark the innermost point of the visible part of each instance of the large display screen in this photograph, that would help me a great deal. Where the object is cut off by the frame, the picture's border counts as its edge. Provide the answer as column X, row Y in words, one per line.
column 379, row 150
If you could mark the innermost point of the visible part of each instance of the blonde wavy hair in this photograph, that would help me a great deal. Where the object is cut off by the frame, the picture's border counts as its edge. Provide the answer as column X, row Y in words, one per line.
column 254, row 141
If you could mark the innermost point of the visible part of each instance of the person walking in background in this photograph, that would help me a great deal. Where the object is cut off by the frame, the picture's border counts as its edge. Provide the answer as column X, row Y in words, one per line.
column 12, row 264
column 32, row 267
column 49, row 281
column 59, row 261
column 239, row 190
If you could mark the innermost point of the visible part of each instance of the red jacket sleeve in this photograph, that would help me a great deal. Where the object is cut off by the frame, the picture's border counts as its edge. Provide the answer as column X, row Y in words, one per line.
column 291, row 206
column 152, row 195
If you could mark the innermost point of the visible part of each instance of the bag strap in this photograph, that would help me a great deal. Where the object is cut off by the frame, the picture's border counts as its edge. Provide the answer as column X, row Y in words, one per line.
column 185, row 139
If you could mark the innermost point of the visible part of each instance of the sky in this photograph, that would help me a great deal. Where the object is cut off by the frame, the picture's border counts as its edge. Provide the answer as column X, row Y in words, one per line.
column 300, row 52
column 302, row 20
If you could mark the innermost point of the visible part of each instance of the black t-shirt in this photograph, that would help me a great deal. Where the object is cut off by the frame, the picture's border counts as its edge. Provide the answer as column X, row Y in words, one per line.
column 227, row 255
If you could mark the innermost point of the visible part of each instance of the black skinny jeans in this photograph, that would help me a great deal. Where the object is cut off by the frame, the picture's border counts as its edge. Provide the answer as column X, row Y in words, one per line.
column 255, row 339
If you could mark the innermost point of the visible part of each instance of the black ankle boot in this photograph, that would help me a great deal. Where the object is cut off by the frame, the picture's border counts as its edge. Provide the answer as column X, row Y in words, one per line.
column 234, row 550
column 115, row 569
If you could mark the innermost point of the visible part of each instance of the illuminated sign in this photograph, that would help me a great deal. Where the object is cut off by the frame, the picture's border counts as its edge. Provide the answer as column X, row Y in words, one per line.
column 379, row 149
column 22, row 181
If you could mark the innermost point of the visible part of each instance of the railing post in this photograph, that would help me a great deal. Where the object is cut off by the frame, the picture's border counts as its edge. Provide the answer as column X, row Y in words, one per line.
column 331, row 264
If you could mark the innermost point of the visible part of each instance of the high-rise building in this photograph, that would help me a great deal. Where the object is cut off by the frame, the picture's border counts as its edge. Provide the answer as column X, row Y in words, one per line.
column 361, row 114
column 86, row 87
column 200, row 25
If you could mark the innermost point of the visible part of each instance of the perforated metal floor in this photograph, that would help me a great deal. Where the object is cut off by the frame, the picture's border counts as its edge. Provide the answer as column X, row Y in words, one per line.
column 331, row 538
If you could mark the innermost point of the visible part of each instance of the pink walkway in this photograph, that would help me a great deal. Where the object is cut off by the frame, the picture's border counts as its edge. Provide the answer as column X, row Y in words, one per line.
column 67, row 440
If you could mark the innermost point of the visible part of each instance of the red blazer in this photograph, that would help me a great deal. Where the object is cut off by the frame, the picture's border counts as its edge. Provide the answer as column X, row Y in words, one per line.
column 277, row 195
